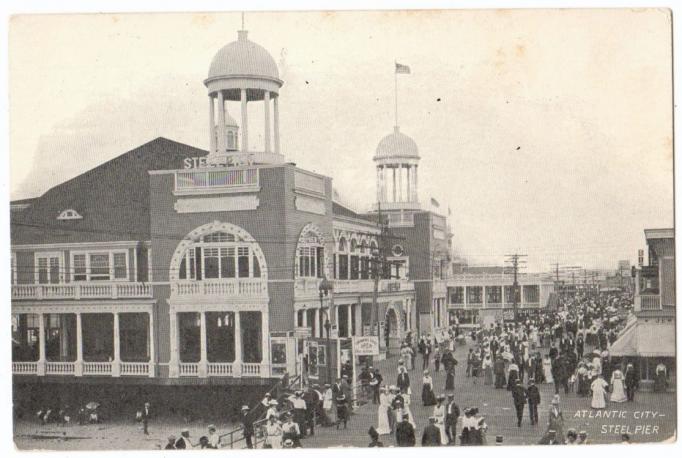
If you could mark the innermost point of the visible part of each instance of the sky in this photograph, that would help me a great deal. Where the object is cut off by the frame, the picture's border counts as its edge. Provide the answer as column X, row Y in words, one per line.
column 547, row 133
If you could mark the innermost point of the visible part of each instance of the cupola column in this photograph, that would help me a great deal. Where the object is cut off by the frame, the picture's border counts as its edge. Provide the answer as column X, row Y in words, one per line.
column 211, row 120
column 266, row 112
column 394, row 186
column 221, row 122
column 245, row 123
column 378, row 184
column 275, row 104
column 400, row 182
column 408, row 194
column 416, row 196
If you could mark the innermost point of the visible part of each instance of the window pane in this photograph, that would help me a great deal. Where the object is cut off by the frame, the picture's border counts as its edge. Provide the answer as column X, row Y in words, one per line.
column 320, row 262
column 211, row 268
column 99, row 266
column 42, row 270
column 343, row 267
column 120, row 268
column 256, row 267
column 79, row 268
column 243, row 266
column 54, row 270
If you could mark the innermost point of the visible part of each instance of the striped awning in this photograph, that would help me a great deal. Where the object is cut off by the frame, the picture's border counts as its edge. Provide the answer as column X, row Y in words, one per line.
column 647, row 339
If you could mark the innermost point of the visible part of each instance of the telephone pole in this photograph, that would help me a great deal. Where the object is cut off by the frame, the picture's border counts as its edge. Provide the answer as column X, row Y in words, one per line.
column 516, row 263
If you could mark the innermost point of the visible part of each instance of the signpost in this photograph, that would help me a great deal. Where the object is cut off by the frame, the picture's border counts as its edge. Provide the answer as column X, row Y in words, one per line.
column 363, row 346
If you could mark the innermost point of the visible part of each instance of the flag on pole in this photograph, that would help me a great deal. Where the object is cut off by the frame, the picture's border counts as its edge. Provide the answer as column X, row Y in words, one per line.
column 400, row 68
column 435, row 203
column 449, row 211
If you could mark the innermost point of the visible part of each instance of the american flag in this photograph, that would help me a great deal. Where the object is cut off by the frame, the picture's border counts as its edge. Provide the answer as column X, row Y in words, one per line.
column 400, row 68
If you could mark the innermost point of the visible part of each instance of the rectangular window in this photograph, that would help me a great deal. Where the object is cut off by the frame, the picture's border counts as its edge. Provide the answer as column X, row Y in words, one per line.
column 474, row 294
column 211, row 263
column 80, row 269
column 493, row 294
column 509, row 295
column 354, row 267
column 99, row 266
column 43, row 272
column 120, row 266
column 48, row 268
column 243, row 262
column 531, row 294
column 343, row 267
column 227, row 269
column 457, row 295
column 320, row 262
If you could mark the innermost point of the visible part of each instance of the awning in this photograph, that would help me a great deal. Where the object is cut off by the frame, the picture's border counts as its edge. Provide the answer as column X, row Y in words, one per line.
column 646, row 339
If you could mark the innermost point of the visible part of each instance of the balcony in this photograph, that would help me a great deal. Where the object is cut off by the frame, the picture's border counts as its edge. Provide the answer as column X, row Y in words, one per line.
column 116, row 290
column 645, row 302
column 215, row 181
column 83, row 368
column 242, row 287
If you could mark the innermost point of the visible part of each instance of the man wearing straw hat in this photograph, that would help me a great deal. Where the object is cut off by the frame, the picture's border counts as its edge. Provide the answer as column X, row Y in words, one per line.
column 247, row 426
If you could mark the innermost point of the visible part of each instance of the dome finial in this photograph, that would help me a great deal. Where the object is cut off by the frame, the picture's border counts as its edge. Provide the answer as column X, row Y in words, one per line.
column 396, row 128
column 242, row 35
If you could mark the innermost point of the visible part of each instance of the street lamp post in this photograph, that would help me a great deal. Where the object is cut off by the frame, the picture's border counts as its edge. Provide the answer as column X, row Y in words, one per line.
column 324, row 289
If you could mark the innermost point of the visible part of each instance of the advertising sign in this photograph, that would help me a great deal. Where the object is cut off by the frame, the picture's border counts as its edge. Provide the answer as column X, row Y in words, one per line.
column 366, row 346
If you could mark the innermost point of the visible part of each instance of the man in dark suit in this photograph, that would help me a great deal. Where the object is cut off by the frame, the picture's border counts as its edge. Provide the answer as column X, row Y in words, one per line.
column 431, row 434
column 403, row 380
column 451, row 416
column 404, row 433
column 519, row 396
column 247, row 426
column 375, row 384
column 533, row 401
column 146, row 415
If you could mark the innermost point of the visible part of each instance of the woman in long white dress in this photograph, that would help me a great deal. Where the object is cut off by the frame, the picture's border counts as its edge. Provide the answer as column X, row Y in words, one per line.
column 547, row 369
column 598, row 388
column 383, row 425
column 439, row 413
column 618, row 387
column 273, row 433
column 407, row 398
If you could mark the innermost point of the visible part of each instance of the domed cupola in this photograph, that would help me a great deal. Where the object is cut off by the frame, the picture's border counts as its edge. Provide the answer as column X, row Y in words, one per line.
column 397, row 159
column 243, row 71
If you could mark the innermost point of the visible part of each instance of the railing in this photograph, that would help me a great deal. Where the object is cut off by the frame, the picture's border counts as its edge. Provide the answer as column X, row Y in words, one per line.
column 213, row 180
column 82, row 290
column 139, row 368
column 97, row 368
column 219, row 369
column 60, row 368
column 307, row 285
column 367, row 286
column 189, row 369
column 251, row 369
column 24, row 367
column 249, row 287
column 648, row 302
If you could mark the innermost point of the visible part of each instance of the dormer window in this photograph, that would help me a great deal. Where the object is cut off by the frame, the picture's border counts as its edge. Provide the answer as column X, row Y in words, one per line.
column 69, row 214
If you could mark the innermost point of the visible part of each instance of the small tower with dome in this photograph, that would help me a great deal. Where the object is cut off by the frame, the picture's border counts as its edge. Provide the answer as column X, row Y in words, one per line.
column 244, row 72
column 397, row 159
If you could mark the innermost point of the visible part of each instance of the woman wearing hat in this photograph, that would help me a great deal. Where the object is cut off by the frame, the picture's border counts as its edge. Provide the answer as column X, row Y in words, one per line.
column 383, row 421
column 428, row 397
column 598, row 388
column 439, row 415
column 273, row 433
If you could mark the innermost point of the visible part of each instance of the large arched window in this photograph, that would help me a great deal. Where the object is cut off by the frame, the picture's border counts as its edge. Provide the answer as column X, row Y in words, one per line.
column 310, row 253
column 217, row 255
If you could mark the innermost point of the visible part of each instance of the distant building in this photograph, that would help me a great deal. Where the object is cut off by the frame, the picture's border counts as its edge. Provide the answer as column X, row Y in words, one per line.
column 649, row 337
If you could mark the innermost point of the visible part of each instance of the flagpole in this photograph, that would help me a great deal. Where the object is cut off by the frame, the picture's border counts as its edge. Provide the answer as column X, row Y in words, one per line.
column 395, row 75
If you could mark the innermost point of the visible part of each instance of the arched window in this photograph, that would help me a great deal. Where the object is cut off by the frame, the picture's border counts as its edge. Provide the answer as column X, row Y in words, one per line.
column 219, row 255
column 230, row 140
column 310, row 255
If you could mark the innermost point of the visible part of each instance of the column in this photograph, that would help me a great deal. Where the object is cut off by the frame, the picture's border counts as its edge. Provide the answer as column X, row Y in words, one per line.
column 378, row 184
column 276, row 123
column 266, row 112
column 152, row 347
column 174, row 362
column 41, row 340
column 237, row 367
column 350, row 320
column 317, row 323
column 400, row 182
column 221, row 122
column 245, row 123
column 211, row 123
column 394, row 189
column 116, row 363
column 203, row 360
column 265, row 353
column 416, row 189
column 408, row 194
column 79, row 346
column 304, row 312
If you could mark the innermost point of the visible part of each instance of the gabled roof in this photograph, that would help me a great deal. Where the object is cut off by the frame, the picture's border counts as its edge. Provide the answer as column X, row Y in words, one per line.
column 112, row 198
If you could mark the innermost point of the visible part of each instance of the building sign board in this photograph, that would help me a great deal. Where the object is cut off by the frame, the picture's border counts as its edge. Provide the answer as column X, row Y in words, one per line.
column 366, row 346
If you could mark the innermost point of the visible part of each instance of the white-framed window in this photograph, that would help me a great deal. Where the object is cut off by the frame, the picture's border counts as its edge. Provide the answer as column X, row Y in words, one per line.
column 109, row 265
column 219, row 255
column 48, row 267
column 310, row 256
